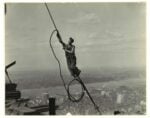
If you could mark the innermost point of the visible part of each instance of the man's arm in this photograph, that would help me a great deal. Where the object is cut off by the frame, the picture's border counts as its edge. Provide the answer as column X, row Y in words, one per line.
column 60, row 39
column 70, row 51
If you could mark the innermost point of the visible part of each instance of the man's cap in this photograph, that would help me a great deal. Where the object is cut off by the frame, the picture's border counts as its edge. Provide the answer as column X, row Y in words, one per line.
column 72, row 40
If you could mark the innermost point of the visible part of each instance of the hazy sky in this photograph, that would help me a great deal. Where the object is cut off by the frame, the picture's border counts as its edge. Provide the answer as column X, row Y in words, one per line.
column 106, row 34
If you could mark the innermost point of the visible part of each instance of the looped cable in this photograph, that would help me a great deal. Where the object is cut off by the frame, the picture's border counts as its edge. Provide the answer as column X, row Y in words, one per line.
column 73, row 99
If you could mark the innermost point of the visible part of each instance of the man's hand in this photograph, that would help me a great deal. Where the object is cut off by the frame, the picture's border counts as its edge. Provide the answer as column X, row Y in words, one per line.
column 60, row 39
column 58, row 35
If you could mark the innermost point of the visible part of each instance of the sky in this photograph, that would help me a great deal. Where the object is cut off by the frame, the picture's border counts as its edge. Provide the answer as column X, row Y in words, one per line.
column 106, row 35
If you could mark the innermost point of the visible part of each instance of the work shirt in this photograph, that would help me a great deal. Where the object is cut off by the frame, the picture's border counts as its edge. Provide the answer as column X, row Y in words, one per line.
column 71, row 58
column 70, row 48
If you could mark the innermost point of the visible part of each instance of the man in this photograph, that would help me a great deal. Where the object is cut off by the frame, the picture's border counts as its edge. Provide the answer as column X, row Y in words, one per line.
column 70, row 55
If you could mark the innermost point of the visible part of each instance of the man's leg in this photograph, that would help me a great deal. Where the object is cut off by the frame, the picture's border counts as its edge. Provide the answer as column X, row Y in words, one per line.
column 72, row 67
column 77, row 71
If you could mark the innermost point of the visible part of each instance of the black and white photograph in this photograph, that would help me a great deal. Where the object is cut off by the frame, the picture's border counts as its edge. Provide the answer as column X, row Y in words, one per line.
column 75, row 58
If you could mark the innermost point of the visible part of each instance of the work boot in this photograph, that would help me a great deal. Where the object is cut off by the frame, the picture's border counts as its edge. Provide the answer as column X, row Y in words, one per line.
column 76, row 72
column 79, row 71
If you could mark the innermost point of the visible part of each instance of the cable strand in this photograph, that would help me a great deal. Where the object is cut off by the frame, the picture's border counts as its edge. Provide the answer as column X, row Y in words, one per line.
column 50, row 16
column 59, row 64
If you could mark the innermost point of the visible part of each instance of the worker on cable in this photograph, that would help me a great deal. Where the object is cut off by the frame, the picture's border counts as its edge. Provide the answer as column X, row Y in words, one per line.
column 70, row 55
